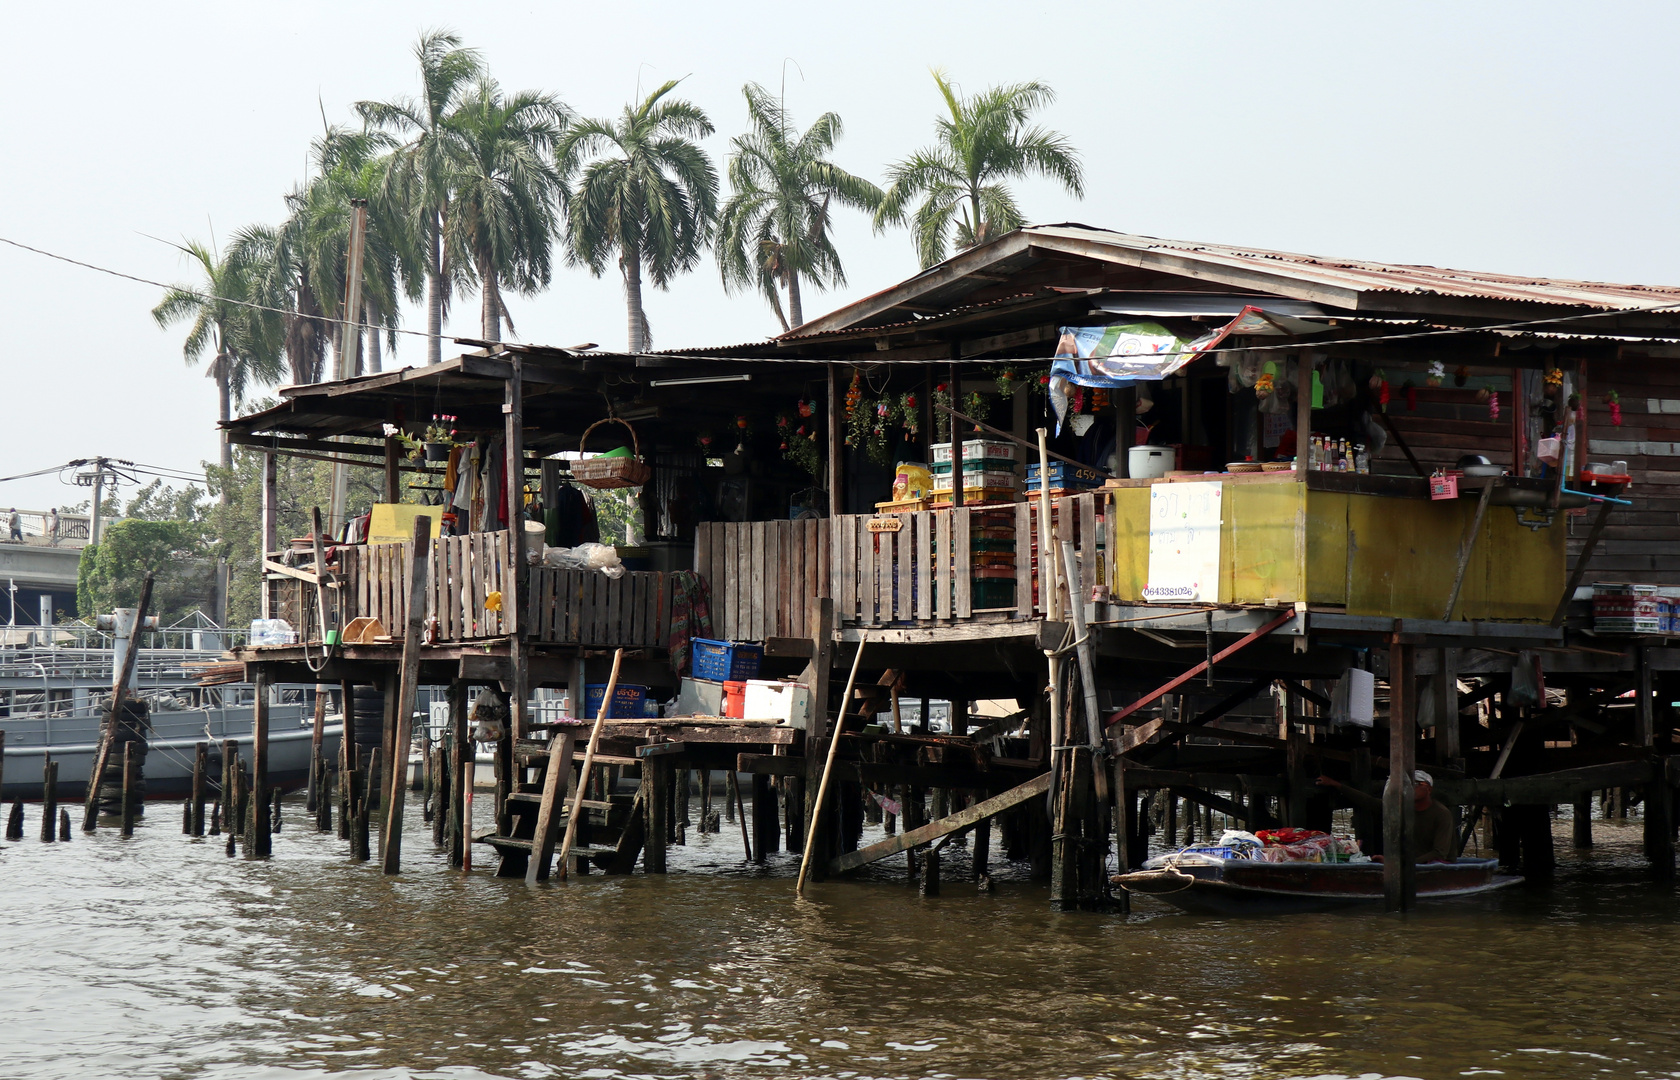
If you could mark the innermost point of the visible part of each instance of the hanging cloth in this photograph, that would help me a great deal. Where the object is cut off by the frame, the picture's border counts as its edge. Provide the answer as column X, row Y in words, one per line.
column 691, row 615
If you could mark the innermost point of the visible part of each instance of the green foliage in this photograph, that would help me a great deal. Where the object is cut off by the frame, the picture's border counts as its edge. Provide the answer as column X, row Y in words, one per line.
column 774, row 230
column 235, row 523
column 618, row 513
column 985, row 140
column 111, row 575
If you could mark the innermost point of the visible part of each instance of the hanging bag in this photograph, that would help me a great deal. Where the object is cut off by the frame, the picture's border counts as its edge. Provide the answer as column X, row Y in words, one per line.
column 603, row 473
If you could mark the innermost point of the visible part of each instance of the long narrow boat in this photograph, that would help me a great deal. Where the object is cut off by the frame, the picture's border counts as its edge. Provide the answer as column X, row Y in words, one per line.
column 1255, row 887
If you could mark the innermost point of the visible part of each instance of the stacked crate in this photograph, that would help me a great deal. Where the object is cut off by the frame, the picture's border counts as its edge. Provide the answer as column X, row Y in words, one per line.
column 987, row 471
column 1621, row 608
column 1065, row 479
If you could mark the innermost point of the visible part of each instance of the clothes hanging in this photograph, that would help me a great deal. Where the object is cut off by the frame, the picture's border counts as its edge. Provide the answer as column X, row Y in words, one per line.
column 691, row 615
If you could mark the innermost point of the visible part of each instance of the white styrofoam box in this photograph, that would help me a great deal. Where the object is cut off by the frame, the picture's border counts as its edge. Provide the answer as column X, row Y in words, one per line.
column 786, row 702
column 700, row 697
column 1354, row 701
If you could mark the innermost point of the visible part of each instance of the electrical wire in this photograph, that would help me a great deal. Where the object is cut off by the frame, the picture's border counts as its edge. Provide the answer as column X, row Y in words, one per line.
column 1670, row 305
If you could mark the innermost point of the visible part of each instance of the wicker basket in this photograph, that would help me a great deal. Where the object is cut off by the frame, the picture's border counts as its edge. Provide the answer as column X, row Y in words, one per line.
column 604, row 473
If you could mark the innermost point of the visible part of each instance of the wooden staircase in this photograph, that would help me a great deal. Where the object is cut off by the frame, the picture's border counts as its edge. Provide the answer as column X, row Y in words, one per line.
column 609, row 830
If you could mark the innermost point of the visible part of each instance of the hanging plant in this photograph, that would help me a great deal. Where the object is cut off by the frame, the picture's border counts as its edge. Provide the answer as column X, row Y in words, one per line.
column 799, row 443
column 910, row 413
column 976, row 406
column 1461, row 375
column 854, row 394
column 859, row 419
column 1436, row 373
column 942, row 419
column 807, row 409
column 1493, row 405
column 1614, row 401
column 743, row 428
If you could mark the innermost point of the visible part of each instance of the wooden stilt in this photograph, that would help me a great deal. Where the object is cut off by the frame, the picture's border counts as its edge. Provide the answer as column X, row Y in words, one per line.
column 732, row 801
column 1659, row 828
column 347, row 760
column 263, row 828
column 408, row 687
column 1581, row 822
column 49, row 797
column 766, row 828
column 586, row 771
column 201, row 758
column 461, row 773
column 1399, row 838
column 63, row 825
column 655, row 802
column 130, row 775
column 14, row 821
column 555, row 779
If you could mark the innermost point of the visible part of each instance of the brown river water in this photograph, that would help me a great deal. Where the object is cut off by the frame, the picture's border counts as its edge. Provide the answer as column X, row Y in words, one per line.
column 161, row 957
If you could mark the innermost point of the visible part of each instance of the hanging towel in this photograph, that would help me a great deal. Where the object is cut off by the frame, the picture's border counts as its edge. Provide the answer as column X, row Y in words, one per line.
column 691, row 615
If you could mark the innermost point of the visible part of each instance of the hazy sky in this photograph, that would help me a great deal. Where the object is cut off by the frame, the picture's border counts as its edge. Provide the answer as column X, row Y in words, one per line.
column 1520, row 137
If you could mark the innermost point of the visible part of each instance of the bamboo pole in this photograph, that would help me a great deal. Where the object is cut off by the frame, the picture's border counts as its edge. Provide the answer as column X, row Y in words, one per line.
column 588, row 762
column 828, row 769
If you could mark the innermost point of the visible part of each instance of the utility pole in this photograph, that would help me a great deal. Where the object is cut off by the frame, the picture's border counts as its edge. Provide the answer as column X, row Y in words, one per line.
column 98, row 493
column 349, row 354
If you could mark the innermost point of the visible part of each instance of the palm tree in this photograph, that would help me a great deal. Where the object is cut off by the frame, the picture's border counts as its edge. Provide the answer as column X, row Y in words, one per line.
column 277, row 265
column 645, row 191
column 774, row 230
column 421, row 171
column 393, row 266
column 246, row 352
column 985, row 141
column 504, row 217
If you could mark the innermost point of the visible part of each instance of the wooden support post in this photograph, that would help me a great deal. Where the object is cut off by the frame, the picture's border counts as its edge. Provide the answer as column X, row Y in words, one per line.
column 766, row 831
column 707, row 816
column 347, row 759
column 14, row 821
column 461, row 772
column 201, row 759
column 1399, row 832
column 1581, row 821
column 49, row 798
column 1065, row 833
column 835, row 457
column 1644, row 715
column 1659, row 827
column 804, row 792
column 1303, row 412
column 655, row 772
column 270, row 521
column 928, row 883
column 393, row 476
column 264, row 843
column 519, row 573
column 408, row 689
column 63, row 825
column 276, row 798
column 361, row 850
column 1444, row 686
column 130, row 774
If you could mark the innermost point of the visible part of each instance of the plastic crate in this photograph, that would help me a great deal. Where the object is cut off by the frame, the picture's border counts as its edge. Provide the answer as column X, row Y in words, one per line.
column 1063, row 474
column 721, row 661
column 993, row 592
column 629, row 701
column 977, row 495
column 975, row 450
column 976, row 478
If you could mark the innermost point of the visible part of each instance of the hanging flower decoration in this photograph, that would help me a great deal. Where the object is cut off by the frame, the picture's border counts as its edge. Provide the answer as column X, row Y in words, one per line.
column 1265, row 385
column 705, row 441
column 942, row 419
column 1493, row 405
column 976, row 406
column 806, row 409
column 1437, row 372
column 854, row 393
column 1614, row 401
column 799, row 443
column 1006, row 380
column 910, row 414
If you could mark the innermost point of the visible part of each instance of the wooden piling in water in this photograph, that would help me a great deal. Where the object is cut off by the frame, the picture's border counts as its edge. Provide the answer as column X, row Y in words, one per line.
column 361, row 848
column 230, row 756
column 63, row 825
column 461, row 766
column 1581, row 835
column 274, row 814
column 49, row 799
column 347, row 760
column 201, row 758
column 262, row 828
column 216, row 818
column 129, row 776
column 655, row 788
column 766, row 826
column 14, row 822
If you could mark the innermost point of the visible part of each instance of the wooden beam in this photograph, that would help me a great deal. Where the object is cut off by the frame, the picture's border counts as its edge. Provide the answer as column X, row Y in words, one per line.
column 407, row 688
column 962, row 819
column 1223, row 654
column 1469, row 545
column 554, row 791
column 1581, row 560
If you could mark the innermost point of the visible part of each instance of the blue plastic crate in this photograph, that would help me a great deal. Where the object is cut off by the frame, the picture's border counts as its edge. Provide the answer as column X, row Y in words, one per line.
column 1063, row 475
column 628, row 701
column 726, row 661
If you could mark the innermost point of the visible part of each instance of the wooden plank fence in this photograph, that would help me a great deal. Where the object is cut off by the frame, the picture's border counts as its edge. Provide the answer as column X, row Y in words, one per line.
column 561, row 606
column 764, row 575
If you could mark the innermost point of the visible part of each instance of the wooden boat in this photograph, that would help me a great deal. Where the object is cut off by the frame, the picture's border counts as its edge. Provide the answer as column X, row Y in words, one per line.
column 1252, row 887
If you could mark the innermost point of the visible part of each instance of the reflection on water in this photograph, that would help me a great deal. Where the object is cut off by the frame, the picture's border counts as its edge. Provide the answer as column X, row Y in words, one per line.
column 160, row 957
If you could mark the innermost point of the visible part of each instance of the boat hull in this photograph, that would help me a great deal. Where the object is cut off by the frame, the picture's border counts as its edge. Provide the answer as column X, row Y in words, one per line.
column 1251, row 887
column 172, row 748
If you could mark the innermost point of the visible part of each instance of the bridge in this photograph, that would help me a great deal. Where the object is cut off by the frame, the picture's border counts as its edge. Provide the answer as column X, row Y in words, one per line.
column 39, row 565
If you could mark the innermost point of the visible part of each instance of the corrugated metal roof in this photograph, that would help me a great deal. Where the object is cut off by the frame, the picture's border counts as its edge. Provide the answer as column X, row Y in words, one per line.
column 1365, row 276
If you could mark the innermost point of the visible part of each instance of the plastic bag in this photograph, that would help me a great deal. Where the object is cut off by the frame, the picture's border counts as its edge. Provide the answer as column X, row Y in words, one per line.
column 602, row 557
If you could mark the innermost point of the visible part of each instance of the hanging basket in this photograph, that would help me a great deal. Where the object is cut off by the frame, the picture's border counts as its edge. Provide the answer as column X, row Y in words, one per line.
column 606, row 473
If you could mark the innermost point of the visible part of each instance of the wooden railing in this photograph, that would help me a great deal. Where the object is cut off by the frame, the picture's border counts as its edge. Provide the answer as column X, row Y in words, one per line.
column 469, row 590
column 764, row 576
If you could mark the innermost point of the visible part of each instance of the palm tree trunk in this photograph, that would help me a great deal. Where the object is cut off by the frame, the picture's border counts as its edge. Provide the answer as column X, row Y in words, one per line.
column 372, row 318
column 632, row 264
column 796, row 311
column 434, row 296
column 490, row 296
column 224, row 403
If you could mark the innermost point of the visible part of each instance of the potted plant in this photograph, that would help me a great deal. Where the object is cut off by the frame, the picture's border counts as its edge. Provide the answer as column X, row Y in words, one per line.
column 439, row 438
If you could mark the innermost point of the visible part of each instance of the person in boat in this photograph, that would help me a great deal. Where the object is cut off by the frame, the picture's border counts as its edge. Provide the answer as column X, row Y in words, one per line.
column 1437, row 833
